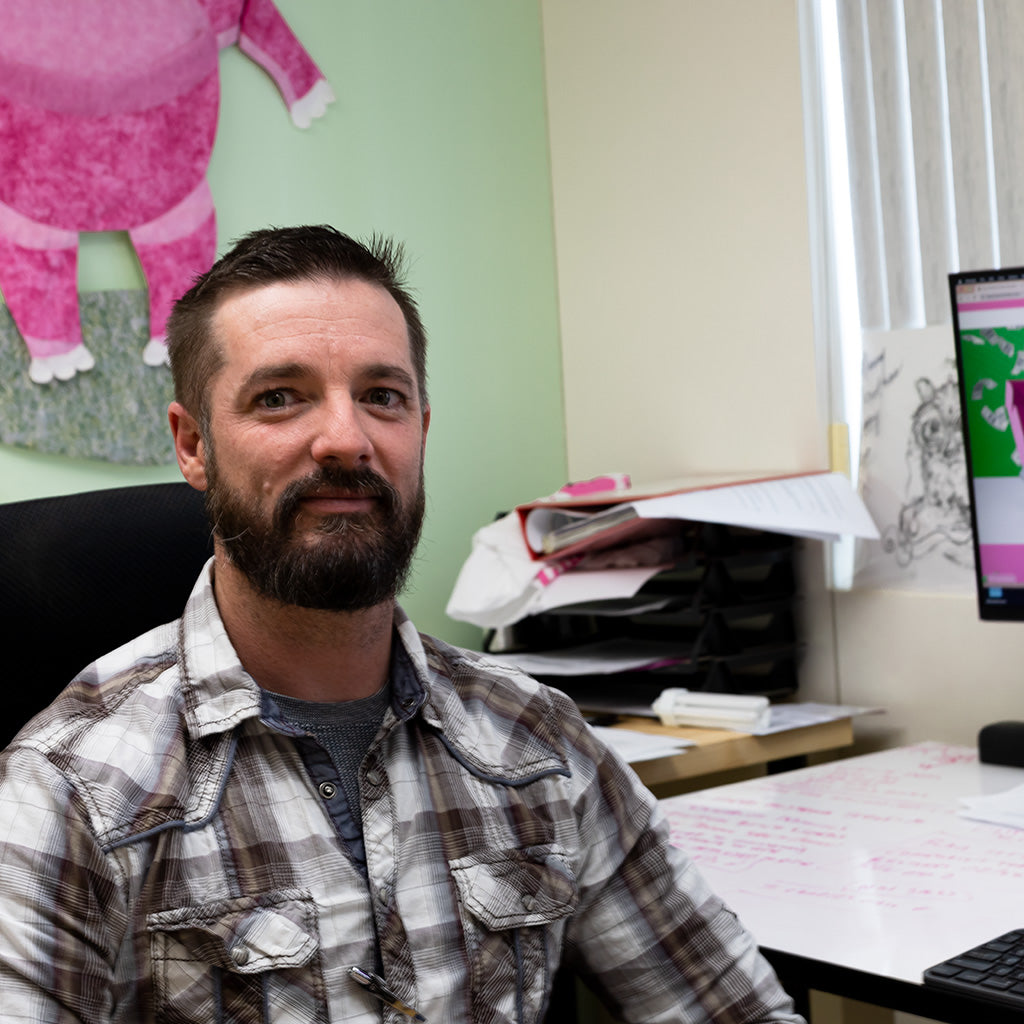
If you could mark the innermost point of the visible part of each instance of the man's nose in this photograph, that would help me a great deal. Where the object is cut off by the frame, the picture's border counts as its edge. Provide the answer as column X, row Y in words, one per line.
column 340, row 434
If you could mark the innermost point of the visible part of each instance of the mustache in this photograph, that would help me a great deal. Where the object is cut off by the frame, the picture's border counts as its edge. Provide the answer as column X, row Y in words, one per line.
column 363, row 483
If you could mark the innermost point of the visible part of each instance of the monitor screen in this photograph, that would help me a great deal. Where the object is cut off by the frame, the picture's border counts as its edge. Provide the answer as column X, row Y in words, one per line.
column 988, row 329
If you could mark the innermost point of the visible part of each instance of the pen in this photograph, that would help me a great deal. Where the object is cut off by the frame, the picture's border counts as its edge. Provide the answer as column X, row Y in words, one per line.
column 375, row 986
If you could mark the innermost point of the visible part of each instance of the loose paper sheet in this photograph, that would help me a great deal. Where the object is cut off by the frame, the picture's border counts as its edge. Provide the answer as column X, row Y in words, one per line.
column 640, row 746
column 600, row 658
column 997, row 808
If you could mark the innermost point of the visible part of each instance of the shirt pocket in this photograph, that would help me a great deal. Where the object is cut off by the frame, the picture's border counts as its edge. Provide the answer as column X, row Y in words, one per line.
column 514, row 906
column 234, row 960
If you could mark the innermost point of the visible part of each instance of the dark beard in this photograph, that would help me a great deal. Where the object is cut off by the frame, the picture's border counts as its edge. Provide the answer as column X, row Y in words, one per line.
column 350, row 562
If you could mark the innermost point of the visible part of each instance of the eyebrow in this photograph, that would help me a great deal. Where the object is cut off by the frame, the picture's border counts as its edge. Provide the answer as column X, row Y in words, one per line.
column 266, row 374
column 291, row 371
column 388, row 371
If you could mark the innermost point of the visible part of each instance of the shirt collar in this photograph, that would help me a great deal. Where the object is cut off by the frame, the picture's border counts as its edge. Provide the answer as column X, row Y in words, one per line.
column 219, row 693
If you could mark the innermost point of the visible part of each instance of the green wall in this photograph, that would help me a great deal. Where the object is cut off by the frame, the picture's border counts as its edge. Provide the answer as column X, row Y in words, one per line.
column 438, row 137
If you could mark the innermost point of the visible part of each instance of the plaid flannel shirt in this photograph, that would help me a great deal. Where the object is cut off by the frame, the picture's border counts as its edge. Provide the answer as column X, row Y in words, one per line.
column 167, row 855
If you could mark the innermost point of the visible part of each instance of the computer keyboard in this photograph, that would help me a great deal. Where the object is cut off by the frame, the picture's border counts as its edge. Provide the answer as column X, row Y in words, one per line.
column 994, row 970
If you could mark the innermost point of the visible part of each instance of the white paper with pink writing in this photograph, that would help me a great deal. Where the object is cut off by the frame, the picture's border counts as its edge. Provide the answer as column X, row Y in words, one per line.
column 864, row 862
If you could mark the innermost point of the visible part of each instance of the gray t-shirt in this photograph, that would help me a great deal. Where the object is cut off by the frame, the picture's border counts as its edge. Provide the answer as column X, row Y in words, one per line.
column 345, row 729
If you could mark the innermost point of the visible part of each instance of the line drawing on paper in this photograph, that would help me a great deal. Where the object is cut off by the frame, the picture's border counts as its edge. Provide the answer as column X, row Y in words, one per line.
column 933, row 515
column 936, row 515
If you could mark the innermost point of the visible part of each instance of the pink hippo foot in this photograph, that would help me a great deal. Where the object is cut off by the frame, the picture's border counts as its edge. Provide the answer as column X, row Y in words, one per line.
column 155, row 352
column 38, row 266
column 64, row 366
column 173, row 250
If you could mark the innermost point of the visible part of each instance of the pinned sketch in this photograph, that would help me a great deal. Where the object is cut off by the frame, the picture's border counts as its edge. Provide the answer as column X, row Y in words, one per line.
column 913, row 464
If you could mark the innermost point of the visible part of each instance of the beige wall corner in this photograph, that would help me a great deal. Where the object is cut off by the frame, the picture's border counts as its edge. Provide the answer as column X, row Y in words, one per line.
column 680, row 209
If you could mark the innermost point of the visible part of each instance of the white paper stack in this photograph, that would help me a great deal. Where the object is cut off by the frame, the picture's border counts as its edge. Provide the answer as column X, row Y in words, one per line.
column 713, row 710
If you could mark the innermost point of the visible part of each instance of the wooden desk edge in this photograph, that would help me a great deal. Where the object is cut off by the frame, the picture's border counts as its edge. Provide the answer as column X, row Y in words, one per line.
column 719, row 750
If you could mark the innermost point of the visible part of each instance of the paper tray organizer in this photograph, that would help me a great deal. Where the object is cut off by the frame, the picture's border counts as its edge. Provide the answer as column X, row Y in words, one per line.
column 728, row 610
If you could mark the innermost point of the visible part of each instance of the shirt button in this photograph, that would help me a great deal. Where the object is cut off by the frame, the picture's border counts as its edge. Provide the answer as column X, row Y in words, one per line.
column 327, row 790
column 407, row 703
column 529, row 903
column 240, row 954
column 383, row 894
column 373, row 777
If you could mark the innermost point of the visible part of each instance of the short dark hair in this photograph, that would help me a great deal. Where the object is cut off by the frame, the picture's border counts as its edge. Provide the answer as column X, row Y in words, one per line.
column 270, row 256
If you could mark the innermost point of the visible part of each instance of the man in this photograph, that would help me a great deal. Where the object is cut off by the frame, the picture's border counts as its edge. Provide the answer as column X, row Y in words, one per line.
column 290, row 806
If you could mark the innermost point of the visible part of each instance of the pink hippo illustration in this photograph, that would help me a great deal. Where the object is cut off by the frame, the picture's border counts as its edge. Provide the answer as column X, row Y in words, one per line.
column 108, row 112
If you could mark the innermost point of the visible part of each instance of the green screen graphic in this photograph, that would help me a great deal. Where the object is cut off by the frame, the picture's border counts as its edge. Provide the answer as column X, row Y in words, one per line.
column 990, row 357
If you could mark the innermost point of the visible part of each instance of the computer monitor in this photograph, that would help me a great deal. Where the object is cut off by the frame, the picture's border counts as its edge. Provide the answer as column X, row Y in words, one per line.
column 988, row 330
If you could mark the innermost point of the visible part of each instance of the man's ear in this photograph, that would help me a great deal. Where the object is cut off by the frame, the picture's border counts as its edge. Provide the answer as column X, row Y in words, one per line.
column 189, row 447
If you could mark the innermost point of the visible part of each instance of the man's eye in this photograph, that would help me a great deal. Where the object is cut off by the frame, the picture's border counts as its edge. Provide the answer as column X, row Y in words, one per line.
column 383, row 397
column 273, row 400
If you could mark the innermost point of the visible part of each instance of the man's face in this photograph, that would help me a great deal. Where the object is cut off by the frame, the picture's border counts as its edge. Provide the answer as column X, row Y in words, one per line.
column 313, row 459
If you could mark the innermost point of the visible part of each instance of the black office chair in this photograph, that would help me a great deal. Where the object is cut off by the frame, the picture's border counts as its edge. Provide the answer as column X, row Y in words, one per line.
column 84, row 573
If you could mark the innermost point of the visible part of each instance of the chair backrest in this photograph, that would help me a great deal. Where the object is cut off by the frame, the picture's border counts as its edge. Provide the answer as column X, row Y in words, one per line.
column 84, row 573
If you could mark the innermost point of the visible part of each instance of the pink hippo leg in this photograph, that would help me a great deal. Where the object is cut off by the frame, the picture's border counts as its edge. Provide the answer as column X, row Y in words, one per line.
column 173, row 249
column 38, row 277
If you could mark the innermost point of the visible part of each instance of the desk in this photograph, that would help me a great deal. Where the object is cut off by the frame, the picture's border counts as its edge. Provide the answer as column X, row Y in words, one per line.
column 719, row 750
column 857, row 875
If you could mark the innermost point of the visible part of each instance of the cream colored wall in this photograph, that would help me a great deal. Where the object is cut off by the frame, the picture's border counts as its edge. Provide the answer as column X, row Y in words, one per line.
column 940, row 672
column 681, row 236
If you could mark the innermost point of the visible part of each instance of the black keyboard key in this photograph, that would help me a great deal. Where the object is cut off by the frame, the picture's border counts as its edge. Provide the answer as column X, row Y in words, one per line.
column 984, row 953
column 971, row 962
column 970, row 976
column 996, row 982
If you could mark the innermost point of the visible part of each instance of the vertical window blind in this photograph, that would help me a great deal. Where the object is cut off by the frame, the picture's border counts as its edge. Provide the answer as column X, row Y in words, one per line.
column 933, row 104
